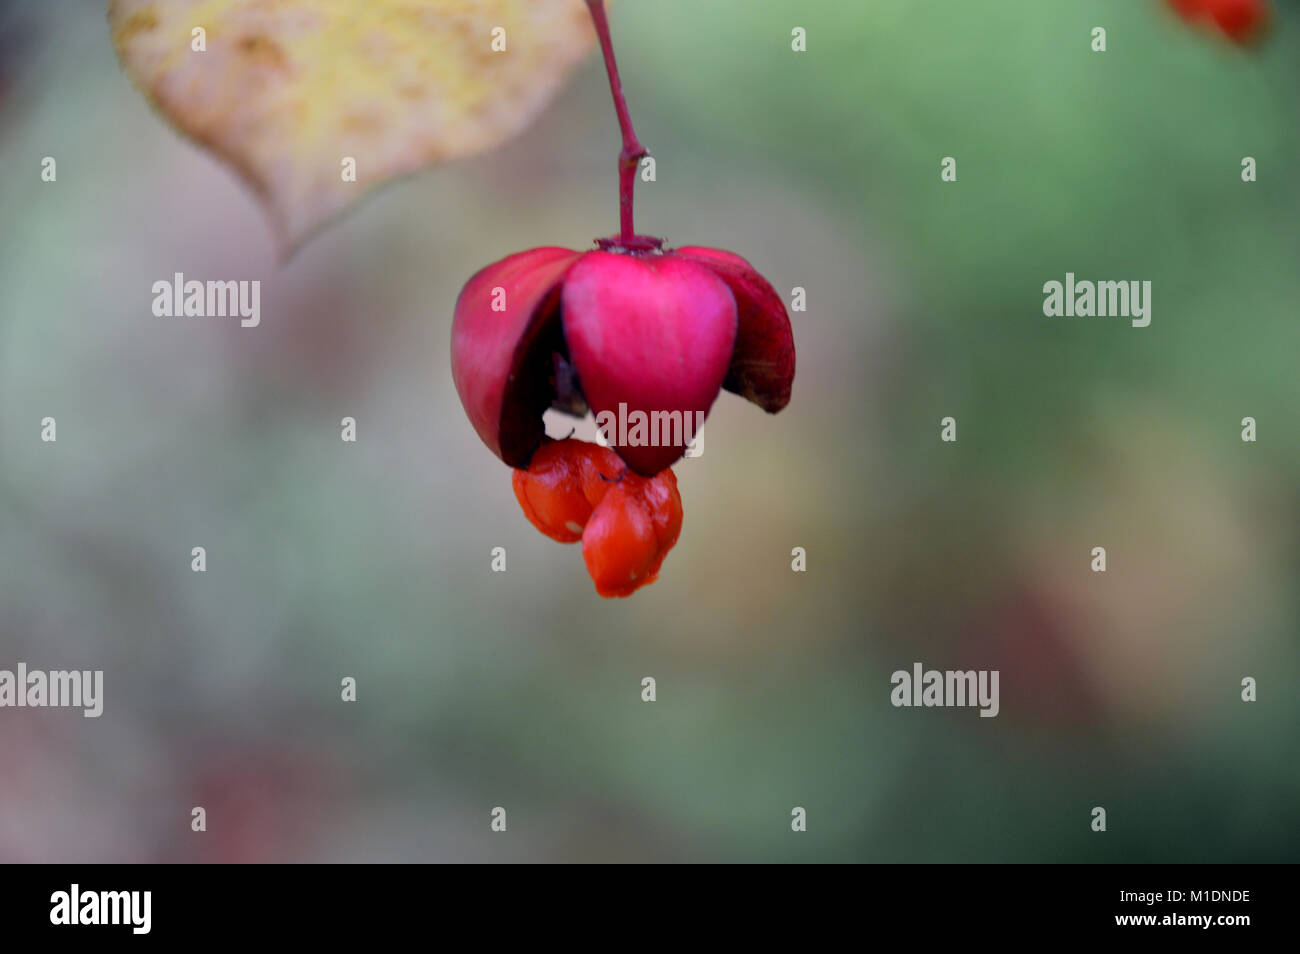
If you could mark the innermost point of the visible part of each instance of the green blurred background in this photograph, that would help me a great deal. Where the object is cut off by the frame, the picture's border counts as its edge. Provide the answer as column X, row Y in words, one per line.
column 522, row 690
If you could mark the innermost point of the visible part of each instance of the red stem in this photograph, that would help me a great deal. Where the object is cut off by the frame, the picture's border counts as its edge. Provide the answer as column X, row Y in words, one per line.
column 632, row 148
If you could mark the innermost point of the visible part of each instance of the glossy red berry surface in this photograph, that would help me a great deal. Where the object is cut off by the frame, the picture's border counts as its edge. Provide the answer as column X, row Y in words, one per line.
column 563, row 484
column 630, row 533
column 627, row 523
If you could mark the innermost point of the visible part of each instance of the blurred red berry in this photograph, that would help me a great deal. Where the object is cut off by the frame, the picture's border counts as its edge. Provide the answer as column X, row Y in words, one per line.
column 1188, row 9
column 1241, row 21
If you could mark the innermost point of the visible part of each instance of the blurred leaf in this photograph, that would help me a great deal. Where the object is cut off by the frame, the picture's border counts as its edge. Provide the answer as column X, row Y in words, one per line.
column 284, row 91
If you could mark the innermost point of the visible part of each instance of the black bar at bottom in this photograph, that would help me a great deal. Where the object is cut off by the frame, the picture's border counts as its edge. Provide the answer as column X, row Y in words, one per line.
column 335, row 903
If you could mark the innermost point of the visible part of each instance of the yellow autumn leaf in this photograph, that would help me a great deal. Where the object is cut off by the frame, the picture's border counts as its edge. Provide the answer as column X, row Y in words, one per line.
column 288, row 91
